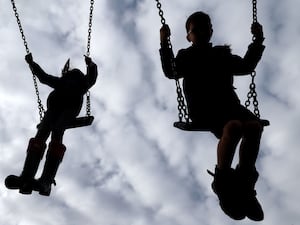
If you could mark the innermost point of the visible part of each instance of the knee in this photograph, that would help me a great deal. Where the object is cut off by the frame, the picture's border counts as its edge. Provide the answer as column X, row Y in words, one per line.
column 253, row 128
column 233, row 128
column 57, row 135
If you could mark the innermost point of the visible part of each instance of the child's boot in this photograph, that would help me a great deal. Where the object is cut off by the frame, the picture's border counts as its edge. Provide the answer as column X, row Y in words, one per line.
column 54, row 157
column 25, row 181
column 225, row 187
column 247, row 180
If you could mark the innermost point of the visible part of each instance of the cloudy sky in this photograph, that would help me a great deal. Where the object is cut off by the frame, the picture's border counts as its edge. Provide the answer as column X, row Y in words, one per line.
column 131, row 167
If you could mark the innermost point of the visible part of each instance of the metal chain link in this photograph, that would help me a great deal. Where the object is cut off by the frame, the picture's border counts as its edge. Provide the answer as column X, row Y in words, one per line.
column 90, row 28
column 88, row 103
column 40, row 105
column 39, row 101
column 20, row 26
column 254, row 10
column 182, row 108
column 88, row 96
column 252, row 94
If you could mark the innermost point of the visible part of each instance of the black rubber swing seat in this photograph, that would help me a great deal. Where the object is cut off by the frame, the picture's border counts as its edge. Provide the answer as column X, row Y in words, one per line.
column 189, row 126
column 78, row 122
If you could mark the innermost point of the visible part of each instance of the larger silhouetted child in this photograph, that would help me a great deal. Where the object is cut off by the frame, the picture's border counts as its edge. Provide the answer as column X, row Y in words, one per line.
column 207, row 73
column 63, row 105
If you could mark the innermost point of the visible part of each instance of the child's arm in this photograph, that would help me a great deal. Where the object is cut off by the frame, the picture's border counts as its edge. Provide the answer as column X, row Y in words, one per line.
column 166, row 53
column 247, row 64
column 43, row 77
column 92, row 72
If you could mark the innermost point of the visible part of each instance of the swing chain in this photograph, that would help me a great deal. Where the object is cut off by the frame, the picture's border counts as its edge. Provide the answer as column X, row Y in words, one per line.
column 160, row 12
column 88, row 96
column 182, row 108
column 40, row 105
column 90, row 28
column 254, row 13
column 20, row 26
column 88, row 103
column 254, row 10
column 163, row 22
column 252, row 94
column 39, row 101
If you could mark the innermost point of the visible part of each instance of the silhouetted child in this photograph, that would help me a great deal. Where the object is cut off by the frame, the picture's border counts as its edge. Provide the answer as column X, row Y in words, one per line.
column 207, row 73
column 63, row 105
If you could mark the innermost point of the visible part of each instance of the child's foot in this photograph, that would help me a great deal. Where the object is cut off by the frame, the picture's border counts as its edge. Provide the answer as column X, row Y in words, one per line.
column 225, row 187
column 247, row 180
column 25, row 186
column 13, row 182
column 254, row 210
column 44, row 187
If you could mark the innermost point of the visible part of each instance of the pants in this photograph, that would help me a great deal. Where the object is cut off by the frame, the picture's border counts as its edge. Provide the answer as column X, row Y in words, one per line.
column 54, row 122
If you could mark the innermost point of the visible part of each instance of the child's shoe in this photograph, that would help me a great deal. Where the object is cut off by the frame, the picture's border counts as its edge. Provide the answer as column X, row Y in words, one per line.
column 25, row 182
column 247, row 180
column 226, row 188
column 54, row 157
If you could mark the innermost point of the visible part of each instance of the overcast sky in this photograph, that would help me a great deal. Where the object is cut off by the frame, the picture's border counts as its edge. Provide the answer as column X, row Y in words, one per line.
column 131, row 167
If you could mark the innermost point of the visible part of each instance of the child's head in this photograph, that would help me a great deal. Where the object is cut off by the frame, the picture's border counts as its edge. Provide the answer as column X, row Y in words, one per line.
column 199, row 28
column 67, row 70
column 76, row 72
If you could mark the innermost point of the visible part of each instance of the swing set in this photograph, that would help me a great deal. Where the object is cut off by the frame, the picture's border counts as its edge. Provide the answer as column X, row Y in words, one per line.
column 185, row 122
column 79, row 121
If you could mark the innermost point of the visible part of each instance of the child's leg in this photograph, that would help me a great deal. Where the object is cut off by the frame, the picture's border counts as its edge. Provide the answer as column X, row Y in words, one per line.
column 246, row 171
column 44, row 128
column 224, row 184
column 54, row 157
column 250, row 144
column 57, row 135
column 35, row 152
column 232, row 133
column 24, row 182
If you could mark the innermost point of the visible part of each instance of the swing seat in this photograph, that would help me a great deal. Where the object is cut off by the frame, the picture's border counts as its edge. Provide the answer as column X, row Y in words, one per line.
column 264, row 123
column 80, row 122
column 189, row 126
column 77, row 122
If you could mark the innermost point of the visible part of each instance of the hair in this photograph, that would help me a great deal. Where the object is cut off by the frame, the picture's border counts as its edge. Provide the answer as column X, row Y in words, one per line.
column 76, row 72
column 197, row 17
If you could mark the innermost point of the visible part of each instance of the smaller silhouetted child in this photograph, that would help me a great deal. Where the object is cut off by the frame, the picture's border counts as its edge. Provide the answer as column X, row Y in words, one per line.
column 207, row 73
column 63, row 105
